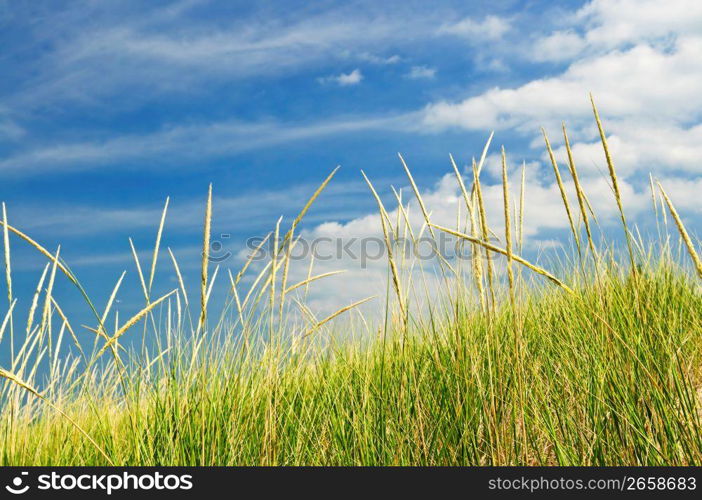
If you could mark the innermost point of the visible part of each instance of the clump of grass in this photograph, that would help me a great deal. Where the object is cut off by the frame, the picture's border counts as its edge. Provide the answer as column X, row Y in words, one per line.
column 573, row 374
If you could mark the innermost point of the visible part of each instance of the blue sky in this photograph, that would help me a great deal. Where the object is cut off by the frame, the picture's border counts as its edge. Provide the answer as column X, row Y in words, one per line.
column 106, row 108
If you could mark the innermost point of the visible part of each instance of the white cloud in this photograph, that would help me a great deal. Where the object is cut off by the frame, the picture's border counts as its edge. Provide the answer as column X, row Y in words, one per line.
column 641, row 81
column 375, row 59
column 648, row 97
column 684, row 193
column 344, row 79
column 352, row 78
column 558, row 46
column 146, row 52
column 545, row 225
column 10, row 130
column 198, row 141
column 421, row 72
column 603, row 25
column 488, row 29
column 613, row 22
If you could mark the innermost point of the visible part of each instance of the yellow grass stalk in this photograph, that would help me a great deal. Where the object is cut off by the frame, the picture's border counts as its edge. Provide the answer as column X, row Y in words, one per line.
column 516, row 258
column 169, row 326
column 239, row 309
column 564, row 195
column 24, row 385
column 101, row 329
column 615, row 183
column 416, row 193
column 483, row 155
column 309, row 274
column 46, row 313
column 22, row 359
column 388, row 244
column 508, row 229
column 683, row 232
column 425, row 214
column 35, row 300
column 654, row 200
column 179, row 276
column 111, row 300
column 459, row 178
column 158, row 244
column 312, row 279
column 144, row 289
column 475, row 249
column 205, row 260
column 32, row 373
column 306, row 311
column 274, row 269
column 286, row 270
column 52, row 259
column 485, row 232
column 54, row 365
column 248, row 262
column 405, row 216
column 464, row 193
column 70, row 329
column 579, row 192
column 256, row 282
column 132, row 321
column 334, row 315
column 5, row 321
column 6, row 244
column 41, row 250
column 307, row 206
column 477, row 261
column 211, row 285
column 520, row 216
column 398, row 197
column 8, row 274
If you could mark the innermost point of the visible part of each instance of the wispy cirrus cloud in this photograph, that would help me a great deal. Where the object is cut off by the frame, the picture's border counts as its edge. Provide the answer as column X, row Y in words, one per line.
column 261, row 206
column 162, row 50
column 490, row 28
column 421, row 73
column 183, row 142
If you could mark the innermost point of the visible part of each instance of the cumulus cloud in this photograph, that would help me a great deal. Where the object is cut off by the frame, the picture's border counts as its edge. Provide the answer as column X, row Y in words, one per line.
column 558, row 46
column 611, row 23
column 647, row 91
column 544, row 216
column 603, row 25
column 640, row 60
column 344, row 79
column 642, row 81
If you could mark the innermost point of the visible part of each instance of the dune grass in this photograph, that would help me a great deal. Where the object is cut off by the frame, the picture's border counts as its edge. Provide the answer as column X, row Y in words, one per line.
column 594, row 363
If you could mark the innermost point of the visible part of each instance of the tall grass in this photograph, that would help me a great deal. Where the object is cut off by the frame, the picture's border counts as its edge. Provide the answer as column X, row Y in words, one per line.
column 595, row 362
